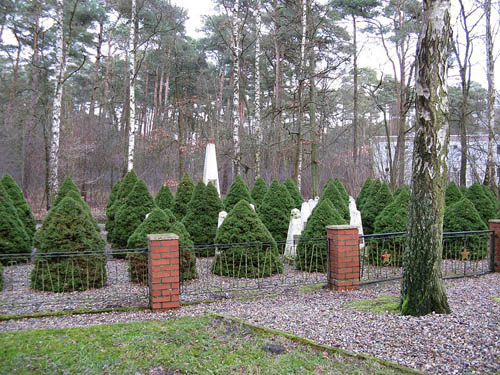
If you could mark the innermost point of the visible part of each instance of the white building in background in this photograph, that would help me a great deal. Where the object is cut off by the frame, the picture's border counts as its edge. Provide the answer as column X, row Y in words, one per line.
column 476, row 164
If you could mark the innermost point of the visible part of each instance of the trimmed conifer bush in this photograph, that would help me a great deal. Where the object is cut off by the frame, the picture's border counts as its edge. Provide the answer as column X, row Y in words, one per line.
column 393, row 218
column 341, row 188
column 13, row 237
column 400, row 189
column 164, row 198
column 360, row 200
column 453, row 194
column 460, row 217
column 131, row 214
column 481, row 201
column 157, row 222
column 371, row 193
column 23, row 209
column 237, row 191
column 78, row 198
column 294, row 193
column 274, row 212
column 247, row 248
column 126, row 186
column 331, row 192
column 312, row 255
column 373, row 207
column 66, row 186
column 186, row 251
column 113, row 197
column 58, row 266
column 491, row 195
column 259, row 191
column 183, row 197
column 202, row 217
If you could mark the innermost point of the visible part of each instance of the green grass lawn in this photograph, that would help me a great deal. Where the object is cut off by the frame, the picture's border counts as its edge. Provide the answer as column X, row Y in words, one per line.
column 206, row 345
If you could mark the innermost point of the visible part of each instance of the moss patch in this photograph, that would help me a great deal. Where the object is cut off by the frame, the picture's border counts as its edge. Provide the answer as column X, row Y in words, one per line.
column 379, row 305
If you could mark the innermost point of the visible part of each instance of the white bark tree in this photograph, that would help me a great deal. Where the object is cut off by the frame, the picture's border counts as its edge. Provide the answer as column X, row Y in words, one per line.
column 58, row 80
column 258, row 126
column 236, row 30
column 131, row 81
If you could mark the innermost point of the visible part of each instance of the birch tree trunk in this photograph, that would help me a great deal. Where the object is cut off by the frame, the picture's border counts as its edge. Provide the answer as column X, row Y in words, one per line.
column 490, row 177
column 422, row 290
column 355, row 92
column 131, row 82
column 236, row 95
column 258, row 127
column 58, row 79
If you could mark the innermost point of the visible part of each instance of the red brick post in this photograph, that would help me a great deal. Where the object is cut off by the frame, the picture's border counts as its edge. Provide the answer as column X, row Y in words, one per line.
column 495, row 245
column 343, row 257
column 163, row 271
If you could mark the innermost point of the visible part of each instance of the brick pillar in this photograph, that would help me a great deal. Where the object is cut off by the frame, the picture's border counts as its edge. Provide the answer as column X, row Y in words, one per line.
column 163, row 271
column 343, row 257
column 495, row 245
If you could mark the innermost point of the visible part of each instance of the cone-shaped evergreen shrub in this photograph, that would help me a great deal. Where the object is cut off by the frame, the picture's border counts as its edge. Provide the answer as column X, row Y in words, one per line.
column 186, row 251
column 331, row 192
column 69, row 232
column 460, row 217
column 126, row 186
column 401, row 189
column 131, row 214
column 164, row 198
column 463, row 189
column 20, row 204
column 113, row 197
column 183, row 197
column 259, row 191
column 294, row 193
column 202, row 217
column 371, row 193
column 491, row 195
column 237, row 191
column 453, row 194
column 393, row 218
column 170, row 216
column 312, row 255
column 481, row 201
column 374, row 207
column 78, row 199
column 67, row 186
column 341, row 188
column 157, row 222
column 13, row 237
column 360, row 200
column 247, row 248
column 275, row 211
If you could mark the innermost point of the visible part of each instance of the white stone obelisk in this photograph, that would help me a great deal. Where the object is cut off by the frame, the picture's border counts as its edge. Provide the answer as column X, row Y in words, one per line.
column 210, row 171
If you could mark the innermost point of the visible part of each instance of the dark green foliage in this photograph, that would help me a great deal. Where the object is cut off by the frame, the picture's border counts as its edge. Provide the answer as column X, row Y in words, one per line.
column 126, row 186
column 248, row 249
column 78, row 199
column 491, row 195
column 183, row 197
column 393, row 218
column 67, row 186
column 131, row 214
column 331, row 192
column 363, row 194
column 460, row 217
column 401, row 189
column 373, row 207
column 157, row 222
column 463, row 189
column 294, row 193
column 371, row 193
column 20, row 204
column 164, row 198
column 259, row 191
column 312, row 255
column 341, row 188
column 481, row 201
column 68, row 231
column 237, row 191
column 453, row 194
column 275, row 210
column 113, row 197
column 170, row 215
column 13, row 237
column 202, row 216
column 188, row 258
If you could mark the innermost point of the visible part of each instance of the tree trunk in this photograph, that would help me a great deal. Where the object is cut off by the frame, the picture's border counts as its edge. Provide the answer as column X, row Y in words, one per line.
column 422, row 290
column 258, row 126
column 131, row 82
column 95, row 76
column 315, row 133
column 58, row 79
column 275, row 161
column 236, row 95
column 355, row 94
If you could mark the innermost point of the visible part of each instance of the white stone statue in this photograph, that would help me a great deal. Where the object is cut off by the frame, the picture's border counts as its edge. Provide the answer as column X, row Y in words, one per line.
column 210, row 171
column 356, row 219
column 310, row 202
column 222, row 216
column 305, row 212
column 294, row 231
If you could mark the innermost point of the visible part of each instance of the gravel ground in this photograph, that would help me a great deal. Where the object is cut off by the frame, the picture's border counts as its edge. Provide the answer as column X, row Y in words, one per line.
column 465, row 341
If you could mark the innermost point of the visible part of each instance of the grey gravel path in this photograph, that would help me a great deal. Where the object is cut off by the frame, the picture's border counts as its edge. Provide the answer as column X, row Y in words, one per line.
column 467, row 341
